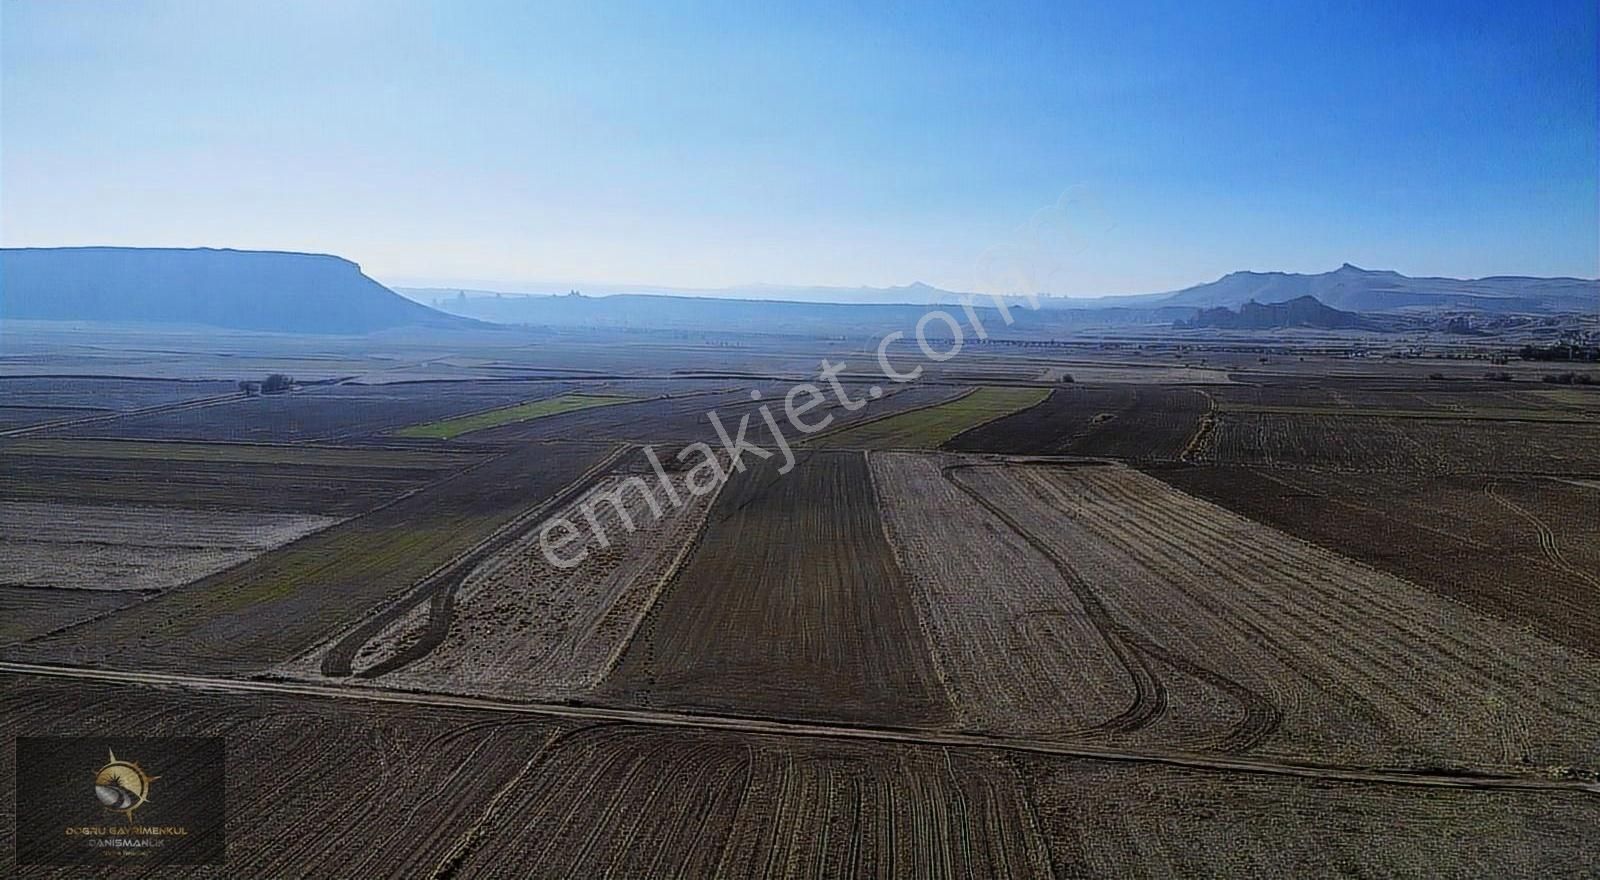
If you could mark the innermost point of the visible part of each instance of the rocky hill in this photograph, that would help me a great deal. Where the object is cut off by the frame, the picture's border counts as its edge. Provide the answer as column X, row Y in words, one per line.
column 1363, row 290
column 1303, row 311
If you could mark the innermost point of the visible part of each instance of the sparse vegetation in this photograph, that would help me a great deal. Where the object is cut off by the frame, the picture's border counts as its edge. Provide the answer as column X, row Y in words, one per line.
column 450, row 428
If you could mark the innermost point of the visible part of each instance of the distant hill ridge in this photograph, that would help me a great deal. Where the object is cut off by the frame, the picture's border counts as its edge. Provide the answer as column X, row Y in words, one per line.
column 1355, row 289
column 317, row 293
column 1349, row 287
column 1303, row 311
column 277, row 291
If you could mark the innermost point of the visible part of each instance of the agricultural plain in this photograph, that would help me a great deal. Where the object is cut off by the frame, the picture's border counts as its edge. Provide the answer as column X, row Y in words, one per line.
column 1275, row 623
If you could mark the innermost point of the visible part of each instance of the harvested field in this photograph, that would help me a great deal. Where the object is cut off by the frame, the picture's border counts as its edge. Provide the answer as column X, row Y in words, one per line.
column 1118, row 421
column 1379, row 444
column 619, row 801
column 150, row 527
column 790, row 605
column 1525, row 550
column 350, row 787
column 133, row 548
column 1107, row 820
column 277, row 605
column 1014, row 645
column 931, row 427
column 522, row 412
column 1257, row 641
column 519, row 626
column 322, row 788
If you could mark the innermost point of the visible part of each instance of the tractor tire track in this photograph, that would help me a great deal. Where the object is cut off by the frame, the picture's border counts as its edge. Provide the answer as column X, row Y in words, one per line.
column 1261, row 717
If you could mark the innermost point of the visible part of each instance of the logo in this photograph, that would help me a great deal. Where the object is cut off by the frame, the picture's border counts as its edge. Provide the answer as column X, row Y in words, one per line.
column 87, row 800
column 122, row 786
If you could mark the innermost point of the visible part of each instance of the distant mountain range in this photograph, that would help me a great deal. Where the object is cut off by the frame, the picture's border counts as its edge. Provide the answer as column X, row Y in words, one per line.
column 626, row 311
column 1350, row 288
column 1302, row 311
column 245, row 290
column 915, row 294
column 316, row 293
column 1363, row 290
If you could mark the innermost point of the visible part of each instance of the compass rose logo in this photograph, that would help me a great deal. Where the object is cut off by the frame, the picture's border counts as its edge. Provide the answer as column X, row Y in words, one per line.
column 122, row 786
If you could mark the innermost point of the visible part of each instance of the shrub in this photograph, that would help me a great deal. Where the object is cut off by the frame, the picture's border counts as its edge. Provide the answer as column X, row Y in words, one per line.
column 276, row 383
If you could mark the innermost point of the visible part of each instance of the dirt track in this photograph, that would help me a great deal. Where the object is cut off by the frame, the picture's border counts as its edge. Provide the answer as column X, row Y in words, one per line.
column 1308, row 770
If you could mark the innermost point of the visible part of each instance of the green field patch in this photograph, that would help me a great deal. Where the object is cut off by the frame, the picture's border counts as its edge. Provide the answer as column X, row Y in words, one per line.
column 395, row 554
column 521, row 412
column 931, row 427
column 238, row 453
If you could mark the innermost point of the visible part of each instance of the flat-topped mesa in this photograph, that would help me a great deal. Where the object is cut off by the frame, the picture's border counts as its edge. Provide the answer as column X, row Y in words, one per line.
column 247, row 290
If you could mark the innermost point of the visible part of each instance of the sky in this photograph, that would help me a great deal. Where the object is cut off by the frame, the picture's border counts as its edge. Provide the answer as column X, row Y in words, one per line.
column 1076, row 149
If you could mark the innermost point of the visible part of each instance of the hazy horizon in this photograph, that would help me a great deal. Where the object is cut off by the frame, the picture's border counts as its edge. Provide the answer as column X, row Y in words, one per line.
column 1080, row 152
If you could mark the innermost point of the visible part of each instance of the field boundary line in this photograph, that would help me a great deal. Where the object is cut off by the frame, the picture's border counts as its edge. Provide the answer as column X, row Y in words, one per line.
column 667, row 577
column 1053, row 387
column 964, row 392
column 430, row 585
column 158, row 409
column 1202, row 429
column 1464, row 779
column 956, row 710
column 450, row 864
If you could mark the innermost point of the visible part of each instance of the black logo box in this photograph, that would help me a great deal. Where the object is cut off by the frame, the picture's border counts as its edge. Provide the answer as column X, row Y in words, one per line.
column 56, row 801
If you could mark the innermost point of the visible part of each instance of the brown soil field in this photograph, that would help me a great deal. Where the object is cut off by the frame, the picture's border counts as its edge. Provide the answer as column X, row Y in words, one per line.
column 1481, row 399
column 1104, row 820
column 1014, row 645
column 1525, row 550
column 25, row 416
column 316, row 788
column 1119, row 421
column 522, row 627
column 277, row 605
column 790, row 605
column 321, row 787
column 97, row 393
column 1256, row 641
column 619, row 801
column 1416, row 445
column 283, row 455
column 190, row 485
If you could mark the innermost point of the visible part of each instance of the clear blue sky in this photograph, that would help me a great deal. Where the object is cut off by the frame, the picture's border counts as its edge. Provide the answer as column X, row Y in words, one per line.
column 711, row 145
